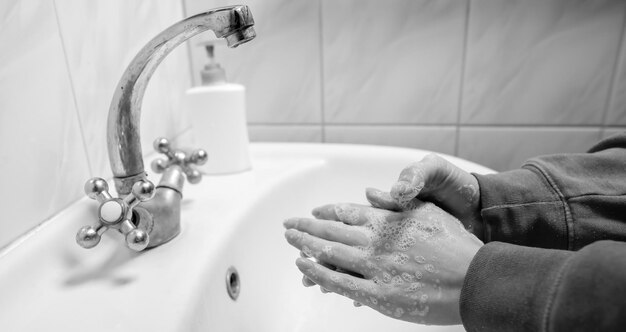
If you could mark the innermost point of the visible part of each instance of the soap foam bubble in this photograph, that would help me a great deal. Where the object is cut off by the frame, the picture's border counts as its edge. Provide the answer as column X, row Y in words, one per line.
column 400, row 258
column 328, row 251
column 352, row 285
column 347, row 213
column 421, row 312
column 420, row 259
column 415, row 286
column 397, row 280
column 399, row 312
column 407, row 277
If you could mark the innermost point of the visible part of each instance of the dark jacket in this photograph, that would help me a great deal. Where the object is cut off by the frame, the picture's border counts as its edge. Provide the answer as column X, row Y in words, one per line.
column 556, row 257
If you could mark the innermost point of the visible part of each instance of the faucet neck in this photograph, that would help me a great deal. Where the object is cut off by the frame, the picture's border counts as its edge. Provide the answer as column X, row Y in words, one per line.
column 123, row 137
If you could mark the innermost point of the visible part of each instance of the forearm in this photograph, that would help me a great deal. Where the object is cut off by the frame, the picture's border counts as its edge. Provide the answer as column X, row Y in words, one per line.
column 561, row 201
column 515, row 288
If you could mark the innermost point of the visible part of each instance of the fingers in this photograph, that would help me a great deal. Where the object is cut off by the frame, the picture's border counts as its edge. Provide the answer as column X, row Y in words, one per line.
column 414, row 177
column 348, row 213
column 308, row 282
column 381, row 200
column 357, row 289
column 329, row 230
column 337, row 254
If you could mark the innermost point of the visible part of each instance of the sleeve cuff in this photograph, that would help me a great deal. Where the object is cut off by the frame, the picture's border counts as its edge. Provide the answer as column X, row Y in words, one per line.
column 505, row 287
column 521, row 207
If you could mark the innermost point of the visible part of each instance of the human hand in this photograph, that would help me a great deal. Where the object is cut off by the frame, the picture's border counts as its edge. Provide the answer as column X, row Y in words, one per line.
column 409, row 265
column 434, row 179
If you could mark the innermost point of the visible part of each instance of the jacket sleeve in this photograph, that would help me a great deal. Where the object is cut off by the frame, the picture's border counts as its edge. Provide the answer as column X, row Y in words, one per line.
column 516, row 288
column 563, row 201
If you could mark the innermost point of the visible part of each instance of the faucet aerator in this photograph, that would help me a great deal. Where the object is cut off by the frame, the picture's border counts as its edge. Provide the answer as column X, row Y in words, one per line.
column 240, row 36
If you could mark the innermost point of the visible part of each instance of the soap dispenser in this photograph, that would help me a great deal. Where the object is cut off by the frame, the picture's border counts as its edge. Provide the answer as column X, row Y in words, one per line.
column 217, row 112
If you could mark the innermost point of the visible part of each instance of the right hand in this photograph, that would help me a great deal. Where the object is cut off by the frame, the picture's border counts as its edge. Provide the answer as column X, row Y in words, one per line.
column 436, row 180
column 409, row 265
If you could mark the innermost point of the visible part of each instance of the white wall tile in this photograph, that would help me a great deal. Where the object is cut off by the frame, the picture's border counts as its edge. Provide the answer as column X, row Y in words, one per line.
column 101, row 37
column 617, row 108
column 503, row 148
column 273, row 133
column 607, row 132
column 392, row 62
column 433, row 138
column 280, row 67
column 41, row 153
column 540, row 61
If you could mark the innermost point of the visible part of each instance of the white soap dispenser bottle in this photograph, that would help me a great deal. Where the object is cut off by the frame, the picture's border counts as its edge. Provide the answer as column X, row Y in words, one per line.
column 217, row 112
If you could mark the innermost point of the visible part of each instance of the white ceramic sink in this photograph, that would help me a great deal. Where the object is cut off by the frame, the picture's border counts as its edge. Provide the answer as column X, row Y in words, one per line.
column 47, row 282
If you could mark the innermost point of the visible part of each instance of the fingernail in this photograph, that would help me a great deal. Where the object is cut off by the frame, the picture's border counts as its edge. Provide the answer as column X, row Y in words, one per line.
column 304, row 264
column 324, row 290
column 403, row 191
column 373, row 191
column 304, row 255
column 293, row 236
column 289, row 223
column 307, row 282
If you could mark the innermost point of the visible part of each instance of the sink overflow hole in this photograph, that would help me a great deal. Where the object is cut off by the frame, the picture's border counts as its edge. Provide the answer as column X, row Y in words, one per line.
column 233, row 283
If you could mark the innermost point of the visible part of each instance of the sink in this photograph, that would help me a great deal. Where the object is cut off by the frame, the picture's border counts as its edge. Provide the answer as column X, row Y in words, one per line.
column 234, row 221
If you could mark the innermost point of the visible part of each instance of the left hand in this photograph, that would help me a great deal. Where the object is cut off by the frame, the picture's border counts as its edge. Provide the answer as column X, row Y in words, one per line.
column 408, row 265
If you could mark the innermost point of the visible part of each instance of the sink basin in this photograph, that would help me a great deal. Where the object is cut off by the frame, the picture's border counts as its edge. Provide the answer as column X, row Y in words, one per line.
column 47, row 282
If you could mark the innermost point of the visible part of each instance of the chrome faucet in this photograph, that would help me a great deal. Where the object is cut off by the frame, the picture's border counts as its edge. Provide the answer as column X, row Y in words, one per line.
column 146, row 215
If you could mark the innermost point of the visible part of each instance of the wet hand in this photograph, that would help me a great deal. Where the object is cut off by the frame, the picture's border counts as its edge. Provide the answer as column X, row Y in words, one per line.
column 434, row 179
column 409, row 265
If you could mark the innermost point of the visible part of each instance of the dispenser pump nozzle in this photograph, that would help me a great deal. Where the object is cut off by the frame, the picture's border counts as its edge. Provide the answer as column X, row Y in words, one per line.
column 212, row 73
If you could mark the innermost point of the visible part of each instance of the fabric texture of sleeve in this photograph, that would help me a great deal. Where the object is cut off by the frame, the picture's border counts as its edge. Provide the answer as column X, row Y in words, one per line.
column 516, row 288
column 563, row 201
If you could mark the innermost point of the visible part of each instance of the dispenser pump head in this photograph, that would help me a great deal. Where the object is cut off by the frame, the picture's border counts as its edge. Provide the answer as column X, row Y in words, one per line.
column 212, row 73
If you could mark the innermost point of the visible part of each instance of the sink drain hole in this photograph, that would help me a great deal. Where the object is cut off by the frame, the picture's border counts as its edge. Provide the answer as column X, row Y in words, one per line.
column 233, row 283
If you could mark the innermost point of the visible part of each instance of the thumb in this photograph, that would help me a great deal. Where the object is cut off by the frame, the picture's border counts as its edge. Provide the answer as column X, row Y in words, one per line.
column 416, row 176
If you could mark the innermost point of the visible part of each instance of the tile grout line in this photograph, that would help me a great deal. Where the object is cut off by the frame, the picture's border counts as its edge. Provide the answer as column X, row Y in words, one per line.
column 614, row 77
column 74, row 98
column 462, row 80
column 435, row 125
column 321, row 53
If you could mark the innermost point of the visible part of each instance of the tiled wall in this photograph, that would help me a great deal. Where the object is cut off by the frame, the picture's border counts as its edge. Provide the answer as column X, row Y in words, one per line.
column 494, row 81
column 60, row 61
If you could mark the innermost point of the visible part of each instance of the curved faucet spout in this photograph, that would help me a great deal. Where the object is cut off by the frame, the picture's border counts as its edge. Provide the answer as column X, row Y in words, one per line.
column 234, row 23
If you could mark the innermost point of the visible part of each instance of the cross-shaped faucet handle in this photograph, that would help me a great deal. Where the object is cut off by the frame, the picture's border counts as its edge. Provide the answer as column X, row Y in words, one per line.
column 116, row 213
column 180, row 158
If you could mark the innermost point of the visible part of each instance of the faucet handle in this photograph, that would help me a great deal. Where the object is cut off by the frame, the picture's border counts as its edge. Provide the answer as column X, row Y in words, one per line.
column 180, row 158
column 116, row 213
